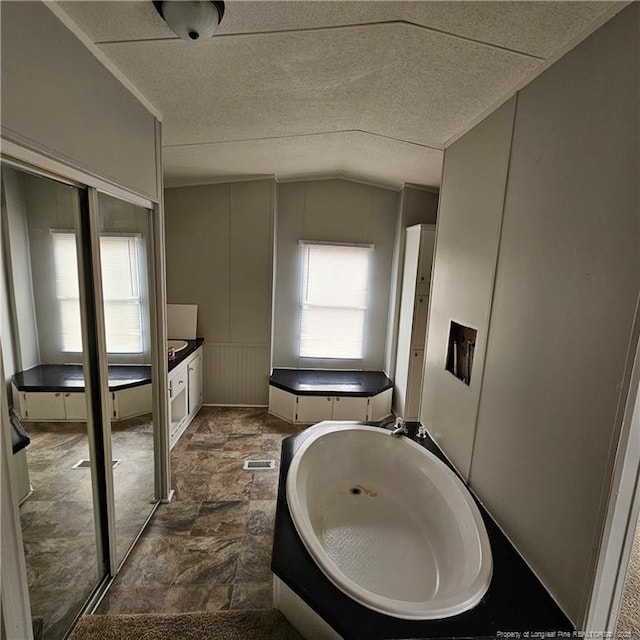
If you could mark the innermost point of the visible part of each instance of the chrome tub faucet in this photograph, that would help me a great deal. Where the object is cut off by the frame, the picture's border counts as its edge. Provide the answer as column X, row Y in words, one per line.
column 399, row 428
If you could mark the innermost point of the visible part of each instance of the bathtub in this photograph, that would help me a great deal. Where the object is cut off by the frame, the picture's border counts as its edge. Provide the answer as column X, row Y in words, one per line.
column 388, row 523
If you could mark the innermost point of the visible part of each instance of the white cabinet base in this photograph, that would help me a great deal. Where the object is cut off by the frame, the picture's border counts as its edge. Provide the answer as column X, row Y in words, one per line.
column 185, row 395
column 45, row 406
column 311, row 409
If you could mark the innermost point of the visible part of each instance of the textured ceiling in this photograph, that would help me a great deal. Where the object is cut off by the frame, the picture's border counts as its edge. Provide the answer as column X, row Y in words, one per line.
column 367, row 88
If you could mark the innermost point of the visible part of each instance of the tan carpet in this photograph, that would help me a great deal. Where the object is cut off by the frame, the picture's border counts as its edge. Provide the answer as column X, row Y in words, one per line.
column 629, row 620
column 222, row 625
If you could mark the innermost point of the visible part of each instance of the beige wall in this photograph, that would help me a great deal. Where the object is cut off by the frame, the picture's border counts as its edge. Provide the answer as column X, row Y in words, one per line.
column 332, row 211
column 566, row 291
column 58, row 99
column 474, row 179
column 420, row 206
column 561, row 323
column 219, row 241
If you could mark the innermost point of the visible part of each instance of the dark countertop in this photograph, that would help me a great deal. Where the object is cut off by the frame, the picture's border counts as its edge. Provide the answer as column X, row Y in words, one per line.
column 182, row 355
column 515, row 601
column 320, row 382
column 69, row 378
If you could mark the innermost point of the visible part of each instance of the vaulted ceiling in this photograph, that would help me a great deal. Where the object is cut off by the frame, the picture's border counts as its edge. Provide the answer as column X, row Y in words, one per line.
column 368, row 89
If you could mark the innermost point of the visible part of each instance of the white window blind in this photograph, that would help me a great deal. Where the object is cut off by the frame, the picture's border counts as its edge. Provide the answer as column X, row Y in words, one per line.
column 334, row 300
column 120, row 287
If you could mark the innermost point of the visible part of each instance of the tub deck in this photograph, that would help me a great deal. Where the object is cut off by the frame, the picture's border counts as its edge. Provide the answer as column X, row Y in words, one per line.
column 515, row 601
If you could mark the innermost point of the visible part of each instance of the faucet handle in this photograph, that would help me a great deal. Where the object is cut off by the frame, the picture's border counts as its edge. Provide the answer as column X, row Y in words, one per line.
column 422, row 432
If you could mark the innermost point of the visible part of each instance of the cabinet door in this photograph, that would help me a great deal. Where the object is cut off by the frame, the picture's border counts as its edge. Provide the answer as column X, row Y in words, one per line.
column 415, row 385
column 425, row 262
column 75, row 406
column 313, row 408
column 194, row 382
column 282, row 404
column 380, row 406
column 420, row 322
column 135, row 401
column 178, row 396
column 43, row 405
column 345, row 408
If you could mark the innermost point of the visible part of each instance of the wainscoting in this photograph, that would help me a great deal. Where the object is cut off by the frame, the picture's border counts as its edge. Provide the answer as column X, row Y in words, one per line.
column 236, row 374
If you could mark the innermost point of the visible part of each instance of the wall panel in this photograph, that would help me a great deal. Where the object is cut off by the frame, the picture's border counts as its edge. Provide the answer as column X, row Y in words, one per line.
column 565, row 297
column 58, row 99
column 472, row 196
column 219, row 245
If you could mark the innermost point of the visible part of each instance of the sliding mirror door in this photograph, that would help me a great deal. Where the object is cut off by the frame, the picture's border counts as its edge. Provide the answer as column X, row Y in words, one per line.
column 126, row 263
column 44, row 338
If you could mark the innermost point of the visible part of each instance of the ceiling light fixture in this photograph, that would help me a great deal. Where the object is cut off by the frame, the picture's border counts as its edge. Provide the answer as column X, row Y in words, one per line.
column 191, row 19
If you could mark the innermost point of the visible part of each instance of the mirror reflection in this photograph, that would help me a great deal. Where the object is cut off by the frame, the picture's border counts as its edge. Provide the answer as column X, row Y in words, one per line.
column 42, row 353
column 126, row 264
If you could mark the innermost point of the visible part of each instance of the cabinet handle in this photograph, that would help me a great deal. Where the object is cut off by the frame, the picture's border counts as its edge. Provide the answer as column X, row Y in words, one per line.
column 337, row 399
column 180, row 381
column 57, row 395
column 328, row 399
column 66, row 395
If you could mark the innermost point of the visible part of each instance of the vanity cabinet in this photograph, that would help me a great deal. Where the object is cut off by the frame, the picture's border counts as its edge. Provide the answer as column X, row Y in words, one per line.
column 35, row 405
column 185, row 394
column 59, row 406
column 307, row 409
column 412, row 326
column 128, row 403
column 318, row 408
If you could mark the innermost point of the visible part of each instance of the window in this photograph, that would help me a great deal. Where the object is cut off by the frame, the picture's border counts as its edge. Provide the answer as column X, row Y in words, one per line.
column 121, row 292
column 334, row 300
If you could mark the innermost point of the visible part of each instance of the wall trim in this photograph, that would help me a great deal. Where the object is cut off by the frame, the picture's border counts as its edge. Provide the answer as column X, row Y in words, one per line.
column 29, row 159
column 177, row 183
column 422, row 187
column 255, row 406
column 342, row 175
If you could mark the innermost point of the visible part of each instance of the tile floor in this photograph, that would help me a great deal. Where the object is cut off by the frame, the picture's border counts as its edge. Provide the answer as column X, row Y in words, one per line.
column 210, row 548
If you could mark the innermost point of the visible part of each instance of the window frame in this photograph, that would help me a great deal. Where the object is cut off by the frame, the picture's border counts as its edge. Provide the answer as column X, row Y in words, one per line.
column 304, row 246
column 137, row 300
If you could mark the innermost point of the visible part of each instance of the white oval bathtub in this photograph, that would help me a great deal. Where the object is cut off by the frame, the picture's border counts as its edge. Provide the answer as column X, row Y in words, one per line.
column 388, row 523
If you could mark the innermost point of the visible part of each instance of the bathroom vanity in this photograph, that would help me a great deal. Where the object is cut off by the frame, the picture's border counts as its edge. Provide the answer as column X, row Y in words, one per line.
column 55, row 392
column 185, row 388
column 304, row 396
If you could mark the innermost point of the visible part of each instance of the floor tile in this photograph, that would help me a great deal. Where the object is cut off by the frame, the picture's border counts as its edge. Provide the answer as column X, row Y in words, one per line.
column 252, row 595
column 221, row 518
column 210, row 548
column 197, row 598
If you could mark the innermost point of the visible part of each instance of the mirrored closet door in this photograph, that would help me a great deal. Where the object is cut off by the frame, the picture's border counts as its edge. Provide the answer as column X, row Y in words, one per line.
column 126, row 272
column 54, row 463
column 78, row 334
